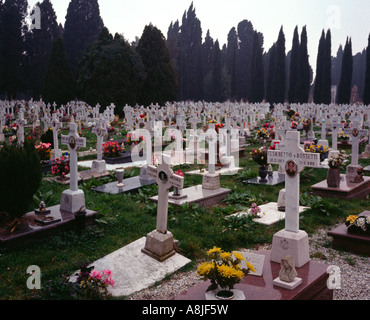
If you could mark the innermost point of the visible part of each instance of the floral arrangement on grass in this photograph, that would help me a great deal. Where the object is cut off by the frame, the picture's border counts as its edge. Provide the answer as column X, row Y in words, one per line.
column 224, row 270
column 254, row 209
column 321, row 149
column 306, row 124
column 131, row 139
column 44, row 151
column 337, row 161
column 6, row 130
column 342, row 136
column 93, row 284
column 111, row 149
column 179, row 173
column 14, row 127
column 260, row 156
column 263, row 134
column 60, row 167
column 273, row 146
column 358, row 223
column 294, row 125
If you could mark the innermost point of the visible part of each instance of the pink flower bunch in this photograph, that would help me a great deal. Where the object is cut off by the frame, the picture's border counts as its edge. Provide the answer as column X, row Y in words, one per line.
column 112, row 149
column 104, row 276
column 60, row 167
column 179, row 173
column 254, row 210
column 44, row 151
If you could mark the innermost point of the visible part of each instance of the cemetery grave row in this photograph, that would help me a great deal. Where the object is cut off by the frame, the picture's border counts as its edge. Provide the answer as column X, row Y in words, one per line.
column 214, row 133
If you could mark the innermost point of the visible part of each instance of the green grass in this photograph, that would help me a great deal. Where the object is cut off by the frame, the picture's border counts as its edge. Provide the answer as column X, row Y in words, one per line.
column 127, row 217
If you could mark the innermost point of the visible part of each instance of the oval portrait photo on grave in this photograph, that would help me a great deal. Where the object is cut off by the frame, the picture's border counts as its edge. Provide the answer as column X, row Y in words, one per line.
column 355, row 132
column 72, row 142
column 291, row 168
column 163, row 176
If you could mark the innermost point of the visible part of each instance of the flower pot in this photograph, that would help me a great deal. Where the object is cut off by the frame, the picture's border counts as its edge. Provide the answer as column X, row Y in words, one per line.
column 119, row 174
column 262, row 173
column 333, row 177
column 225, row 295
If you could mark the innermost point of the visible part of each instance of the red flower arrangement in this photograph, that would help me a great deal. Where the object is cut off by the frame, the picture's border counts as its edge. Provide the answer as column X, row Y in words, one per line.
column 111, row 149
column 60, row 167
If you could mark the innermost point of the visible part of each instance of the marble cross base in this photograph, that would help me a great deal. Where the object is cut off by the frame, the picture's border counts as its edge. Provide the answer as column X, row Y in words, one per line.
column 98, row 166
column 211, row 181
column 159, row 246
column 290, row 243
column 72, row 201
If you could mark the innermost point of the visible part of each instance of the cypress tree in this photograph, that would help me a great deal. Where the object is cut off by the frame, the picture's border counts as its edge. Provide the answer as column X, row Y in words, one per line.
column 270, row 75
column 366, row 95
column 319, row 69
column 304, row 78
column 13, row 29
column 326, row 76
column 110, row 72
column 82, row 27
column 160, row 83
column 230, row 60
column 217, row 74
column 294, row 69
column 59, row 82
column 279, row 71
column 39, row 43
column 244, row 59
column 344, row 90
column 257, row 83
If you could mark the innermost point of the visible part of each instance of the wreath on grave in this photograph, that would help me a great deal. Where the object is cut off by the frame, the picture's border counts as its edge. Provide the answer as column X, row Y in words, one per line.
column 358, row 224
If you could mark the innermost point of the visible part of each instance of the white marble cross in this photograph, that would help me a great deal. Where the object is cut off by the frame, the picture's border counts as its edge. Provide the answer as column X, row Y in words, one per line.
column 166, row 179
column 55, row 125
column 21, row 122
column 74, row 142
column 335, row 128
column 293, row 158
column 355, row 133
column 100, row 130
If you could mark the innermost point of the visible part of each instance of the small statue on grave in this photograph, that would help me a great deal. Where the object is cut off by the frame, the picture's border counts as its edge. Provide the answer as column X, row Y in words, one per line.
column 287, row 272
column 360, row 175
column 42, row 206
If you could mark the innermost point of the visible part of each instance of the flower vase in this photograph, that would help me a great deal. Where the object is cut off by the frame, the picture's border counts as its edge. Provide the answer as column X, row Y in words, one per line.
column 225, row 295
column 262, row 173
column 333, row 177
column 119, row 174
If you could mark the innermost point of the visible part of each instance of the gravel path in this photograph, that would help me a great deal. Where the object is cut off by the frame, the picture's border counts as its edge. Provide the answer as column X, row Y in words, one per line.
column 355, row 273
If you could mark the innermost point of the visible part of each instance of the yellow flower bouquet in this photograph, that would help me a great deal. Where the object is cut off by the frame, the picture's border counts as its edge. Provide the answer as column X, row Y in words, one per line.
column 224, row 271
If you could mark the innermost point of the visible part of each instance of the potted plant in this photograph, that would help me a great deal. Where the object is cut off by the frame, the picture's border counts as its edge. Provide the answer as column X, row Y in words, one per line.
column 336, row 163
column 317, row 148
column 260, row 157
column 358, row 224
column 223, row 271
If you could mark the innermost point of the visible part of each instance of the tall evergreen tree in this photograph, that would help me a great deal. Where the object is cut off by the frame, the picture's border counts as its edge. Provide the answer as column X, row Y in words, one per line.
column 326, row 76
column 319, row 69
column 110, row 72
column 244, row 59
column 279, row 71
column 304, row 78
column 344, row 90
column 59, row 82
column 160, row 83
column 230, row 60
column 271, row 62
column 257, row 83
column 13, row 29
column 366, row 94
column 190, row 73
column 38, row 47
column 294, row 68
column 82, row 27
column 217, row 74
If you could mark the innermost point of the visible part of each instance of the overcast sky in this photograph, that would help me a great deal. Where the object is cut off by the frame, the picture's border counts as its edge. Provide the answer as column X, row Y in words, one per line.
column 343, row 17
